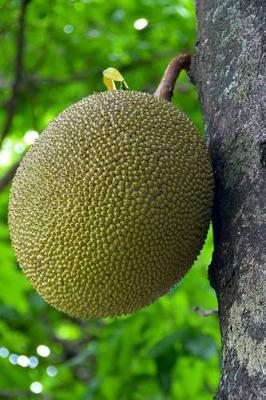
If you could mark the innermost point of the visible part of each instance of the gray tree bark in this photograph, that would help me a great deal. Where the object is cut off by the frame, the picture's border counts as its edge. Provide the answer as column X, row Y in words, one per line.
column 229, row 71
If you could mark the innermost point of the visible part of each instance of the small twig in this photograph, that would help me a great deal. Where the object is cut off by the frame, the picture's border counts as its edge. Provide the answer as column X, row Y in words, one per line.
column 4, row 181
column 12, row 102
column 18, row 393
column 167, row 84
column 14, row 393
column 204, row 313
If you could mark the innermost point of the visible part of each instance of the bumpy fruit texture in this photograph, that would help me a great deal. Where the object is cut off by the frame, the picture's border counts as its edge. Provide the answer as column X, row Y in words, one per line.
column 111, row 204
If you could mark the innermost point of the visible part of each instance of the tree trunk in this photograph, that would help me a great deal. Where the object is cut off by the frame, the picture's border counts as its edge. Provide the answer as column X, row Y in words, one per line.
column 229, row 71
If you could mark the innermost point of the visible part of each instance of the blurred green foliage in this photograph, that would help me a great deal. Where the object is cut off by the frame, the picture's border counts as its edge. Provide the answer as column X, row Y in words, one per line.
column 167, row 350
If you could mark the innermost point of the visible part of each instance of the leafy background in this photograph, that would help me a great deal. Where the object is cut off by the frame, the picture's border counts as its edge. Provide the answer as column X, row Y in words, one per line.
column 167, row 350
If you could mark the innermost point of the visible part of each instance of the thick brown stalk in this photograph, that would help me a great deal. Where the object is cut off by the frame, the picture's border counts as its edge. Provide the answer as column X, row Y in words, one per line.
column 166, row 86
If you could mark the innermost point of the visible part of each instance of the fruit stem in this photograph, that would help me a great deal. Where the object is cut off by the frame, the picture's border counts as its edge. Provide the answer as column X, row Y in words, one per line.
column 166, row 86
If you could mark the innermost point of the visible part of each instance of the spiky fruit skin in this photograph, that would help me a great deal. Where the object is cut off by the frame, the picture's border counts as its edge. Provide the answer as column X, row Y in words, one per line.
column 111, row 204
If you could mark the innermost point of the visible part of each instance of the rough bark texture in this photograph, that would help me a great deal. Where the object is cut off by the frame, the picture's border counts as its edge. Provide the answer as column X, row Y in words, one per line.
column 229, row 70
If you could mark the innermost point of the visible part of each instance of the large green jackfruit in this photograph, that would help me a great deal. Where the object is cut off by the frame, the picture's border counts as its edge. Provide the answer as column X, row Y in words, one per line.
column 111, row 205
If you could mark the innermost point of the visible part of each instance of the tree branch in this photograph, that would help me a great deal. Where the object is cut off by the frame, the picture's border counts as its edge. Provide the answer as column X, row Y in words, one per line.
column 167, row 84
column 4, row 181
column 12, row 102
column 18, row 393
column 14, row 393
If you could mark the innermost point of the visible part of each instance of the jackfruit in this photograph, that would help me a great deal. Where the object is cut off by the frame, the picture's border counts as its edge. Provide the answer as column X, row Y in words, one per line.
column 111, row 205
